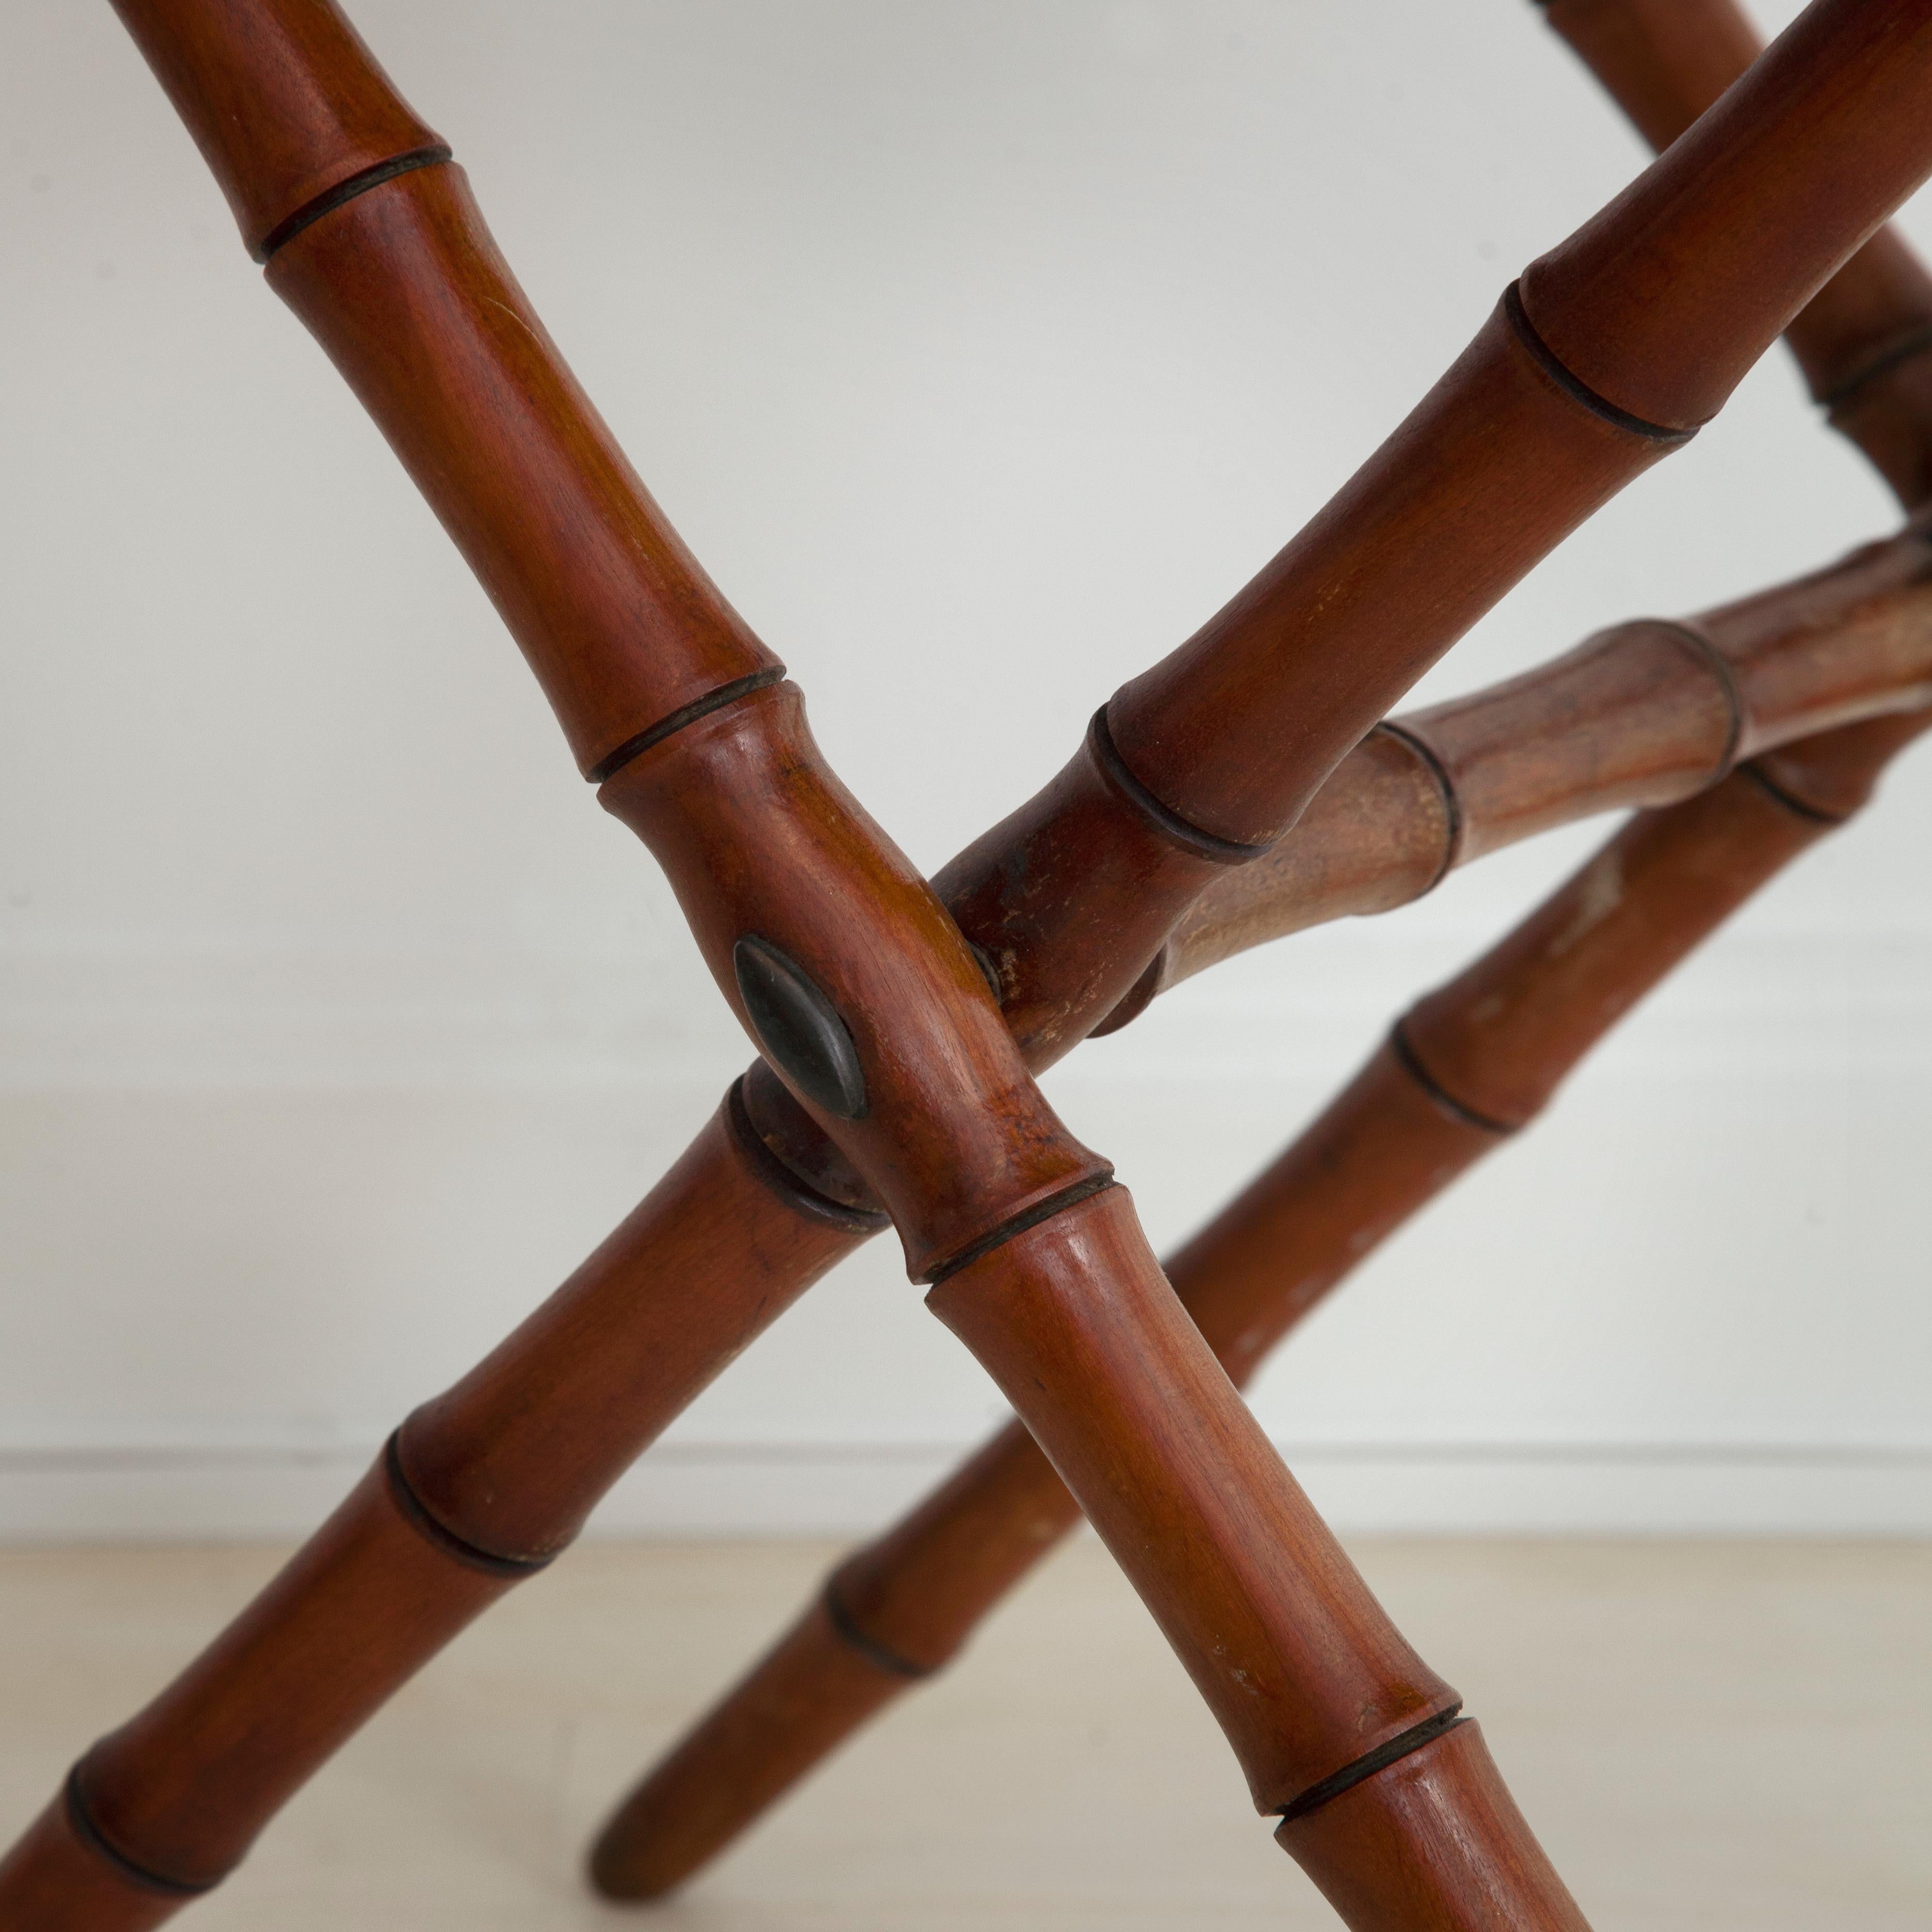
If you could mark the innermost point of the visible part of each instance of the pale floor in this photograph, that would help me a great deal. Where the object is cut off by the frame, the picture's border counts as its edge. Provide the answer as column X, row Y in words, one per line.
column 1734, row 1735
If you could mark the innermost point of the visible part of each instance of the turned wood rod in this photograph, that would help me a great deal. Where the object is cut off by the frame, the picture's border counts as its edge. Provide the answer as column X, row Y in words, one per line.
column 1641, row 714
column 403, row 285
column 387, row 261
column 514, row 1456
column 859, row 990
column 1865, row 342
column 835, row 955
column 1469, row 1064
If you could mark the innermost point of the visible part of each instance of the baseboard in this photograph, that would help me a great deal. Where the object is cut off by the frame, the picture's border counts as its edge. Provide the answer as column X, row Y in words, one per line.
column 702, row 1490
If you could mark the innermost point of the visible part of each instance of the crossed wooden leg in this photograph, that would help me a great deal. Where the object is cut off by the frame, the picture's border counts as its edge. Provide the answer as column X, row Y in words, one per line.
column 1469, row 1065
column 1507, row 1031
column 880, row 1024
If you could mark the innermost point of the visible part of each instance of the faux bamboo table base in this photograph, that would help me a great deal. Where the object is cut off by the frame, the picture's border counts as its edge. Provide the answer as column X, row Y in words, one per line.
column 1473, row 1063
column 892, row 1082
column 1468, row 1066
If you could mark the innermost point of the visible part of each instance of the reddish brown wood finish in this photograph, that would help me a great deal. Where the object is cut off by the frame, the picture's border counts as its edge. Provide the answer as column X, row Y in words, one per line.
column 1432, row 1842
column 405, row 289
column 1663, row 300
column 402, row 287
column 758, row 837
column 180, row 1790
column 1278, row 1632
column 797, row 1703
column 1639, row 715
column 284, row 101
column 1656, row 307
column 54, row 1880
column 513, row 1457
column 1472, row 1062
column 1863, row 341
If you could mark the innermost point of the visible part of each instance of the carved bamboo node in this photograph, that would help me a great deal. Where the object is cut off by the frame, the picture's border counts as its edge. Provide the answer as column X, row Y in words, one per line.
column 1170, row 824
column 849, row 1632
column 345, row 192
column 80, row 1819
column 1413, row 1064
column 898, row 1067
column 857, row 958
column 1756, row 775
column 1573, row 386
column 440, row 1536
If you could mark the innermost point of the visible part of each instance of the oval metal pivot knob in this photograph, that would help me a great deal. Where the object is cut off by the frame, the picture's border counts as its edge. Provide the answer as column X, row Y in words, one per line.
column 798, row 1028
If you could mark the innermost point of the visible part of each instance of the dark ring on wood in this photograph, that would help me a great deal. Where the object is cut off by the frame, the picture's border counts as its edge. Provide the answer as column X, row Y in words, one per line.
column 80, row 1821
column 846, row 1629
column 1916, row 343
column 330, row 199
column 612, row 762
column 1041, row 1210
column 1383, row 1755
column 1721, row 668
column 1573, row 385
column 1452, row 805
column 984, row 960
column 792, row 1189
column 415, row 1512
column 1791, row 802
column 1163, row 818
column 802, row 1034
column 1404, row 1050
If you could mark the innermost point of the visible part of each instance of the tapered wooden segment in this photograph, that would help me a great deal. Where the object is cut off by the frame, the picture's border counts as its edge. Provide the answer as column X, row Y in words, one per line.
column 1471, row 1062
column 282, row 98
column 53, row 1880
column 1639, row 715
column 797, row 1703
column 180, row 1791
column 866, row 1004
column 1655, row 308
column 406, row 291
column 1432, row 1842
column 513, row 1457
column 1865, row 342
column 1090, row 1345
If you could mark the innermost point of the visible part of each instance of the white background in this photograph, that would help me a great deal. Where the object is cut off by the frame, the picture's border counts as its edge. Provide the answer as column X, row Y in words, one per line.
column 981, row 350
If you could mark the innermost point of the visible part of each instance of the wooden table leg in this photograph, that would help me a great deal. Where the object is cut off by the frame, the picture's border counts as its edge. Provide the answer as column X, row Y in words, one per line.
column 827, row 937
column 1469, row 1065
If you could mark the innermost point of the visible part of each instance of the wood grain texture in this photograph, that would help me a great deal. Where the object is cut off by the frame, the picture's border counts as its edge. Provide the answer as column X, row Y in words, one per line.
column 1864, row 341
column 1433, row 1843
column 1639, row 715
column 1281, row 1636
column 406, row 290
column 181, row 1788
column 758, row 837
column 1655, row 307
column 1469, row 1064
column 282, row 97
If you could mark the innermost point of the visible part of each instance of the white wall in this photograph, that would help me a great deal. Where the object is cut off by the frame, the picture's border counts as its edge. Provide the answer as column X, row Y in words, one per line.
column 981, row 350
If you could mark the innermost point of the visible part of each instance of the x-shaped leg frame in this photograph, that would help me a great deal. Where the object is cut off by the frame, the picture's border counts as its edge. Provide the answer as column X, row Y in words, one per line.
column 898, row 1043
